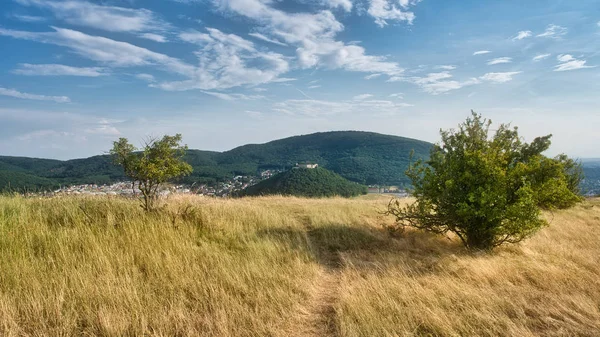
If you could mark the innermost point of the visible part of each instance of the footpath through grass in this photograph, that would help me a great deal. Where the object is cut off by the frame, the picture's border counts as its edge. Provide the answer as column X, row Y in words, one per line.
column 282, row 267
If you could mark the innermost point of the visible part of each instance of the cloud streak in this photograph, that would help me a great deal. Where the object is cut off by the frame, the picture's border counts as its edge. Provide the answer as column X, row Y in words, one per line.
column 58, row 70
column 499, row 60
column 17, row 94
column 568, row 62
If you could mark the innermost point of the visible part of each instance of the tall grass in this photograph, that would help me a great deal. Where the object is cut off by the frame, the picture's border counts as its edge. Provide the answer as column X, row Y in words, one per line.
column 254, row 267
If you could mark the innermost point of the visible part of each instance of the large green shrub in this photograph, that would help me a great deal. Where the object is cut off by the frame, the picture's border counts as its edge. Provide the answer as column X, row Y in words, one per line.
column 487, row 190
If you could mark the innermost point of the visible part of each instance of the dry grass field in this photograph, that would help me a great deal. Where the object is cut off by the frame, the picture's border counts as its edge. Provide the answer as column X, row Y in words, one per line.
column 277, row 266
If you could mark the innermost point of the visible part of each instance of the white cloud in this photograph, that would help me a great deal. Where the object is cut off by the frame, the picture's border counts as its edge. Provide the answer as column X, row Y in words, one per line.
column 29, row 18
column 362, row 97
column 343, row 4
column 445, row 67
column 223, row 58
column 481, row 52
column 254, row 114
column 104, row 50
column 439, row 83
column 146, row 77
column 541, row 57
column 565, row 58
column 398, row 95
column 313, row 35
column 233, row 97
column 568, row 62
column 109, row 18
column 58, row 70
column 264, row 38
column 317, row 108
column 499, row 60
column 554, row 32
column 522, row 35
column 226, row 61
column 154, row 37
column 259, row 89
column 314, row 86
column 372, row 76
column 17, row 94
column 499, row 77
column 384, row 10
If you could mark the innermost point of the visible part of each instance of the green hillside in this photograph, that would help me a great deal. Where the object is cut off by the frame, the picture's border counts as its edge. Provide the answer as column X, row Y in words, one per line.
column 302, row 182
column 363, row 157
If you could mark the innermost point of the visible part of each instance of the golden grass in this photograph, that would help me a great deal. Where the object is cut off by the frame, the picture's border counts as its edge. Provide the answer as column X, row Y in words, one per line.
column 263, row 267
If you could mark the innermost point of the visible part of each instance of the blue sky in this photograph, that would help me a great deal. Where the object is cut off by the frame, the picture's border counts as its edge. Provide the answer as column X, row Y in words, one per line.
column 76, row 75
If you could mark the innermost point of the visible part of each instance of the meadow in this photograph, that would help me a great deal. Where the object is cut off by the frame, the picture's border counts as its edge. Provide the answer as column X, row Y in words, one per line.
column 283, row 266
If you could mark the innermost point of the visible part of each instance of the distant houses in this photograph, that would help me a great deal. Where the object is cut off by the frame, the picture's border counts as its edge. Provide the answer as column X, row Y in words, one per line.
column 306, row 165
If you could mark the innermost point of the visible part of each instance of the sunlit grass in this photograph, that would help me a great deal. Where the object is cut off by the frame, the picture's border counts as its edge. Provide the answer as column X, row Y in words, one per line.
column 250, row 267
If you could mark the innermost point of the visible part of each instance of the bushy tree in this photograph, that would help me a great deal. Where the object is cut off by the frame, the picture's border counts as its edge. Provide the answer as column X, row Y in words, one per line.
column 486, row 190
column 159, row 161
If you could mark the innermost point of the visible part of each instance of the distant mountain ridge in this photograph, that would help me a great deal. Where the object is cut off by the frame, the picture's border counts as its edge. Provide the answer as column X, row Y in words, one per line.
column 363, row 157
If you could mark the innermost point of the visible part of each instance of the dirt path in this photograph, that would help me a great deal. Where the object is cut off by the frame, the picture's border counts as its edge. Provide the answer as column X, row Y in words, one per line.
column 319, row 316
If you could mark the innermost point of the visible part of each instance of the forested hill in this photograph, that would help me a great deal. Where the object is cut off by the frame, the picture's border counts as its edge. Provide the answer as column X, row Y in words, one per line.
column 305, row 182
column 364, row 157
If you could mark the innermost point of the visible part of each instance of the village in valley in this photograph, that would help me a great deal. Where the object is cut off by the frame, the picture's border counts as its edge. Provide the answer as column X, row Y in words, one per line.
column 219, row 189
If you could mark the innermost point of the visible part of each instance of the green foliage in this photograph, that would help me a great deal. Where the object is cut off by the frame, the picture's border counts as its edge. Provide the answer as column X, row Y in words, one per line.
column 159, row 162
column 302, row 182
column 364, row 157
column 486, row 190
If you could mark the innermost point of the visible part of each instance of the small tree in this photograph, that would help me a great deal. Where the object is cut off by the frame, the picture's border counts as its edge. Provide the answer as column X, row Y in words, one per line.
column 488, row 191
column 159, row 161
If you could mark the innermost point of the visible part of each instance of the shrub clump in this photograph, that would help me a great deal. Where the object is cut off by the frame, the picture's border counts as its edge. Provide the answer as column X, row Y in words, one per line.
column 487, row 190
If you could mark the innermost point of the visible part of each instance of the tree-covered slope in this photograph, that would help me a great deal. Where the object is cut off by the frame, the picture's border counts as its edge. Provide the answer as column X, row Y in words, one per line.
column 364, row 157
column 302, row 182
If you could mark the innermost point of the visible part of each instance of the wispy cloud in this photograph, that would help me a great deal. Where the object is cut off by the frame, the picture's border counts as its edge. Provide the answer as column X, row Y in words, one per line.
column 522, row 35
column 446, row 67
column 384, row 11
column 146, row 77
column 314, row 86
column 568, row 62
column 439, row 83
column 499, row 77
column 233, row 97
column 499, row 60
column 154, row 37
column 554, row 32
column 343, row 4
column 109, row 18
column 362, row 97
column 372, row 76
column 17, row 94
column 314, row 37
column 318, row 108
column 101, row 49
column 254, row 114
column 397, row 95
column 266, row 39
column 58, row 70
column 540, row 57
column 29, row 18
column 481, row 52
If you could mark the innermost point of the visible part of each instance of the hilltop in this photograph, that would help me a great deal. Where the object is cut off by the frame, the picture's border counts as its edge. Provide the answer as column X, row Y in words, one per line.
column 304, row 182
column 363, row 157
